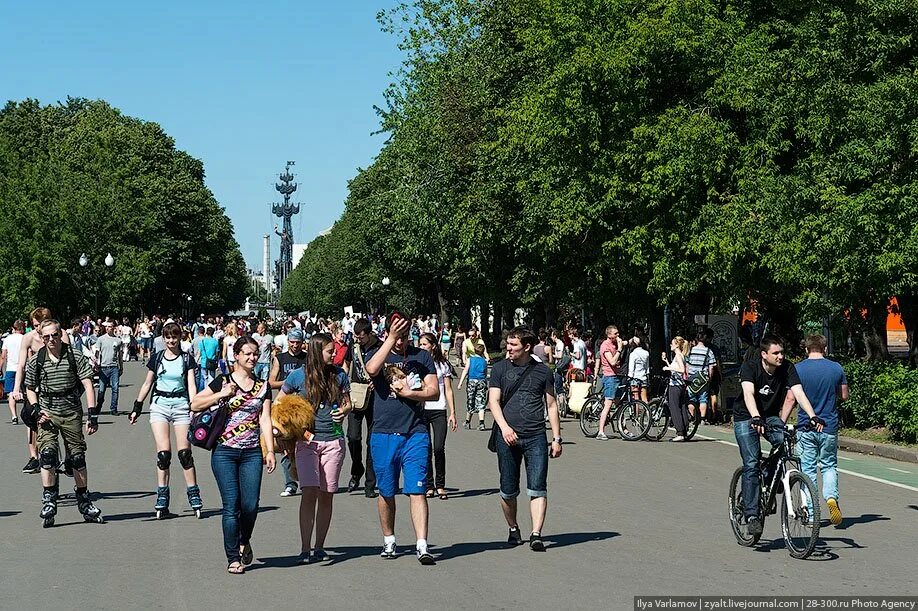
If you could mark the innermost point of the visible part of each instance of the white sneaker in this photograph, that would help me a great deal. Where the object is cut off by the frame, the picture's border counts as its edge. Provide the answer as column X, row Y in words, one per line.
column 389, row 550
column 289, row 491
column 602, row 436
column 678, row 438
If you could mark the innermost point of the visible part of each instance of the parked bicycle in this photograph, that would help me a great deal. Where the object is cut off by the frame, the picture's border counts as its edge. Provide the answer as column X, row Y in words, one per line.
column 779, row 473
column 629, row 417
column 660, row 418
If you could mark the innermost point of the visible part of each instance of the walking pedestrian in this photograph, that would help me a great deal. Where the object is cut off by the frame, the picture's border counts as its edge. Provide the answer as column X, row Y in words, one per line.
column 171, row 377
column 111, row 365
column 12, row 344
column 519, row 389
column 265, row 345
column 475, row 375
column 126, row 332
column 282, row 366
column 228, row 341
column 55, row 377
column 675, row 388
column 364, row 341
column 638, row 368
column 236, row 461
column 700, row 360
column 435, row 415
column 404, row 377
column 469, row 344
column 319, row 460
column 210, row 353
column 824, row 383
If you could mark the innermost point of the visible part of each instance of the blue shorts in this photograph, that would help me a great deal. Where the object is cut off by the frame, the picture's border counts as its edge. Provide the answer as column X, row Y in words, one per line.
column 395, row 454
column 9, row 379
column 699, row 398
column 609, row 387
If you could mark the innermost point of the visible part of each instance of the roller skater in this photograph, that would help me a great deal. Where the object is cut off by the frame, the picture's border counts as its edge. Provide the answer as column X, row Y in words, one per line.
column 171, row 378
column 55, row 378
column 162, row 502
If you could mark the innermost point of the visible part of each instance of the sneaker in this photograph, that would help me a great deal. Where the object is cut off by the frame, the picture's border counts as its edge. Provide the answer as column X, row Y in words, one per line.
column 467, row 425
column 289, row 491
column 678, row 438
column 370, row 493
column 115, row 413
column 481, row 426
column 602, row 436
column 31, row 466
column 319, row 555
column 754, row 525
column 14, row 421
column 835, row 514
column 535, row 543
column 389, row 551
column 515, row 537
column 425, row 557
column 305, row 558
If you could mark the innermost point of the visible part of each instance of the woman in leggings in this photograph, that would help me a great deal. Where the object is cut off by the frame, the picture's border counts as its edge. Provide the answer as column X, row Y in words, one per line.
column 171, row 377
column 237, row 460
column 435, row 415
column 676, row 393
column 319, row 460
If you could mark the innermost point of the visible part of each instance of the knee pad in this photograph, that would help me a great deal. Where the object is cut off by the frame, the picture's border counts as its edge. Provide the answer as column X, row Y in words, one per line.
column 163, row 460
column 186, row 458
column 48, row 459
column 78, row 461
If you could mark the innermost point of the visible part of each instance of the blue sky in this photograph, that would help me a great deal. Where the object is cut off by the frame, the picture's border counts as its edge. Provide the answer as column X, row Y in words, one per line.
column 243, row 86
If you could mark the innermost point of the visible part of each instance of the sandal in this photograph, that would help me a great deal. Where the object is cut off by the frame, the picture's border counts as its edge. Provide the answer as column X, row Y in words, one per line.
column 245, row 553
column 443, row 495
column 430, row 494
column 235, row 568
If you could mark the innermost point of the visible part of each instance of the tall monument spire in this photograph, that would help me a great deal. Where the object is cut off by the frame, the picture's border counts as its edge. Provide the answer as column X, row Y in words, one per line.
column 284, row 264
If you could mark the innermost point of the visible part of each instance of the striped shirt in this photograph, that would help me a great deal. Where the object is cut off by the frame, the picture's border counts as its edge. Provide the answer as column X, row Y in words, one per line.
column 700, row 357
column 57, row 376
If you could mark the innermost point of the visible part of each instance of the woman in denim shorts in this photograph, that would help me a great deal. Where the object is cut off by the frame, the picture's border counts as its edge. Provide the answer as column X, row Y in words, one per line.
column 171, row 377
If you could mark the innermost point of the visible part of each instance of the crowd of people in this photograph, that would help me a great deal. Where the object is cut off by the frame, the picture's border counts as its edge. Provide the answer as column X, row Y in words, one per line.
column 390, row 382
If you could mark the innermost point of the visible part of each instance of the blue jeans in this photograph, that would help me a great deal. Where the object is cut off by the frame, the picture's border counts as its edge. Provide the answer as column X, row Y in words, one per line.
column 238, row 475
column 109, row 376
column 750, row 448
column 509, row 458
column 820, row 449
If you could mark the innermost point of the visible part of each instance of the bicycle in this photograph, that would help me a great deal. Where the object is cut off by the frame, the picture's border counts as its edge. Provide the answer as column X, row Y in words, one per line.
column 661, row 419
column 799, row 508
column 630, row 417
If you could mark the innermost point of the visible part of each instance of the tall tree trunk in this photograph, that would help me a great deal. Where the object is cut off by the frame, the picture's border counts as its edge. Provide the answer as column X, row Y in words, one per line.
column 495, row 323
column 465, row 313
column 875, row 334
column 657, row 339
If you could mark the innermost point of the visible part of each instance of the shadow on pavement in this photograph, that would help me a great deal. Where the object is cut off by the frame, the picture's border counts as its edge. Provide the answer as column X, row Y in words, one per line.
column 134, row 494
column 822, row 552
column 460, row 494
column 336, row 555
column 7, row 514
column 147, row 516
column 915, row 507
column 861, row 519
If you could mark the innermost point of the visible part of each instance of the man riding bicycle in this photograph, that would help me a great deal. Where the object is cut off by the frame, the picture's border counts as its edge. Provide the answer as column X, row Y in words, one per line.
column 766, row 382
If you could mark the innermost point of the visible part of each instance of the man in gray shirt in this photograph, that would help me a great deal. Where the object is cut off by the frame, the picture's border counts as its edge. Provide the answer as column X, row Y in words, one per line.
column 108, row 355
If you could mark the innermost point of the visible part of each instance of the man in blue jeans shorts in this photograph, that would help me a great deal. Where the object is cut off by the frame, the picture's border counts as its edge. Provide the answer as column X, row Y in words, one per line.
column 404, row 377
column 766, row 382
column 824, row 384
column 520, row 388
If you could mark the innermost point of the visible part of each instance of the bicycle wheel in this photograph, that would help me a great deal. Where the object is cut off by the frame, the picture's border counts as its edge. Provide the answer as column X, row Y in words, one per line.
column 659, row 420
column 802, row 529
column 692, row 426
column 589, row 417
column 633, row 420
column 735, row 507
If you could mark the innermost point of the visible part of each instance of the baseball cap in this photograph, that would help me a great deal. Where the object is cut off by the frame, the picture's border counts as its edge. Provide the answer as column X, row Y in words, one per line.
column 295, row 335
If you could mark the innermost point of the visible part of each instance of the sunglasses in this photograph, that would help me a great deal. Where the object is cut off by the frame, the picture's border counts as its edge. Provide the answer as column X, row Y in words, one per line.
column 50, row 336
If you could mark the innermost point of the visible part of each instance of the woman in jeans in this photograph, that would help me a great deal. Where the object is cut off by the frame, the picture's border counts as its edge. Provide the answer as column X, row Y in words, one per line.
column 676, row 393
column 319, row 460
column 435, row 415
column 237, row 460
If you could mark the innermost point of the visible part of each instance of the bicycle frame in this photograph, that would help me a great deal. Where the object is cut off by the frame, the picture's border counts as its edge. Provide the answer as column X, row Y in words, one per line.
column 781, row 456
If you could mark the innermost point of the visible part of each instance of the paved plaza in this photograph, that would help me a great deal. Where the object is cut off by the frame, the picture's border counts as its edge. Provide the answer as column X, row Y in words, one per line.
column 624, row 519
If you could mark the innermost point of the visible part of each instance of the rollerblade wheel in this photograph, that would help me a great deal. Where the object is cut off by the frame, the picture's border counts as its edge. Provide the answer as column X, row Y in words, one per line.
column 47, row 523
column 197, row 514
column 161, row 514
column 94, row 519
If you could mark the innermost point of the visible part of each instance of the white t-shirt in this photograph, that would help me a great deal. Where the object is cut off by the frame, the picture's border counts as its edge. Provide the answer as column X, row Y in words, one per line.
column 145, row 331
column 443, row 371
column 280, row 340
column 578, row 346
column 639, row 364
column 126, row 333
column 12, row 344
column 228, row 342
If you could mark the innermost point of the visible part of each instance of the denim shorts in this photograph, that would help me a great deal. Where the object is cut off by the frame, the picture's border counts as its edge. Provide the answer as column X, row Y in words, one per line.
column 534, row 450
column 609, row 386
column 171, row 414
column 698, row 398
column 395, row 454
column 9, row 380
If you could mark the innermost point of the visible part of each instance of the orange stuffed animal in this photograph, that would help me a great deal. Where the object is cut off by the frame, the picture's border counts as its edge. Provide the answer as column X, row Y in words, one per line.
column 293, row 417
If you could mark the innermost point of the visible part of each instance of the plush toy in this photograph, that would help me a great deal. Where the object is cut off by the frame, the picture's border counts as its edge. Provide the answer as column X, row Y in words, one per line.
column 394, row 376
column 293, row 417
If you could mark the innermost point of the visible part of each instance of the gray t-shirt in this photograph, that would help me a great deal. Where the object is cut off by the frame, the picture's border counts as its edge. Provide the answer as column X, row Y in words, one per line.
column 109, row 347
column 525, row 412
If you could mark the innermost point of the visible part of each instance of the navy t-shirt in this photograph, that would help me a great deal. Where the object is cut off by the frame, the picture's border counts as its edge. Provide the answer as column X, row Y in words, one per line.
column 821, row 379
column 391, row 413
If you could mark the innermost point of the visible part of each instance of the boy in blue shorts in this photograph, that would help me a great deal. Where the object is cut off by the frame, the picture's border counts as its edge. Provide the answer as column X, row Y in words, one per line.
column 404, row 377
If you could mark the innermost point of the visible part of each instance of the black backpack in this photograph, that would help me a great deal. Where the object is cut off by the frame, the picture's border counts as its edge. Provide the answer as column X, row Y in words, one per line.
column 67, row 350
column 188, row 364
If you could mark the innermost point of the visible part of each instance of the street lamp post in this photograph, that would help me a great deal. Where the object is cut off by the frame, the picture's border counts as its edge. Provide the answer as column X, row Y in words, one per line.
column 385, row 283
column 84, row 262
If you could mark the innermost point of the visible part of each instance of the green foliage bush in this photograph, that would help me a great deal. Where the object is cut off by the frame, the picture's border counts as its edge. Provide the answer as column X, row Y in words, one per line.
column 882, row 394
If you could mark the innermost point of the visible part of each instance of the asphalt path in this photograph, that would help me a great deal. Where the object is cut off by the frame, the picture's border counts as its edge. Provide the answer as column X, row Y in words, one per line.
column 624, row 519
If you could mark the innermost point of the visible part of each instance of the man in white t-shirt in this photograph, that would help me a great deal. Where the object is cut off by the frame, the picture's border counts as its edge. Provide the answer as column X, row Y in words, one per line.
column 578, row 350
column 12, row 344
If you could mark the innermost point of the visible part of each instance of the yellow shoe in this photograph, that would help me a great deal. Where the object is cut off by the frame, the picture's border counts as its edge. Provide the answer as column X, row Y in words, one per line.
column 835, row 514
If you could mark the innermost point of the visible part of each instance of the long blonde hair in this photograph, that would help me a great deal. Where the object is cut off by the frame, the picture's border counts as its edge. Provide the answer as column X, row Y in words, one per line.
column 681, row 345
column 231, row 330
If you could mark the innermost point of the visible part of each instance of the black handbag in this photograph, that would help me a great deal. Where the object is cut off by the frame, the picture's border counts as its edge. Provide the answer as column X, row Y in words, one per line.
column 505, row 399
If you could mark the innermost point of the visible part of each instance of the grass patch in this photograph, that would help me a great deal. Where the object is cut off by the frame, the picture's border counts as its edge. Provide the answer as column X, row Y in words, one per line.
column 876, row 435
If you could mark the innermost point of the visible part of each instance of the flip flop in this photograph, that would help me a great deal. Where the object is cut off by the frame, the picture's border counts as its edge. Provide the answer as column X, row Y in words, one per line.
column 444, row 495
column 235, row 568
column 430, row 494
column 246, row 554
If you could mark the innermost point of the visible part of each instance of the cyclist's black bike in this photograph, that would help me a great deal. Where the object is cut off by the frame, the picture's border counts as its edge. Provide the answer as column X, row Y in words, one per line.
column 661, row 419
column 780, row 474
column 629, row 417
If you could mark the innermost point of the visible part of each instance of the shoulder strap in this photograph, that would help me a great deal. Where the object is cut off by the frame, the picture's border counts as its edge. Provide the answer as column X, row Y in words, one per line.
column 72, row 360
column 519, row 381
column 358, row 357
column 41, row 356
